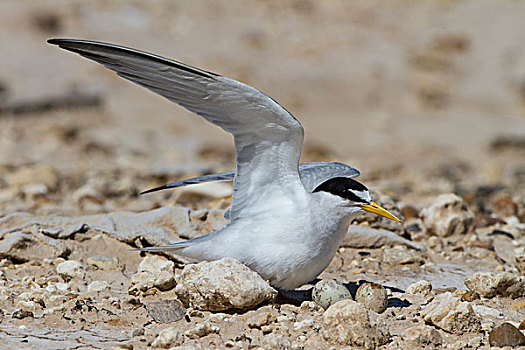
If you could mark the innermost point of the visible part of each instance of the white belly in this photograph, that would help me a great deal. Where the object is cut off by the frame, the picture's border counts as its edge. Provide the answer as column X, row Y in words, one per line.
column 288, row 248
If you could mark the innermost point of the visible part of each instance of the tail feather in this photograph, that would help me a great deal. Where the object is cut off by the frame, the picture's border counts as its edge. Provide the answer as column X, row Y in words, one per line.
column 164, row 248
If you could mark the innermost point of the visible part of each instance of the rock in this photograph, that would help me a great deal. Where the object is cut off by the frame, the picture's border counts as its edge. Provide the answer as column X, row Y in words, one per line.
column 448, row 215
column 423, row 287
column 329, row 292
column 105, row 262
column 485, row 312
column 503, row 206
column 372, row 296
column 400, row 255
column 168, row 338
column 519, row 263
column 155, row 264
column 156, row 227
column 35, row 190
column 21, row 313
column 506, row 335
column 421, row 337
column 469, row 296
column 309, row 306
column 97, row 286
column 360, row 237
column 304, row 324
column 347, row 323
column 22, row 247
column 491, row 284
column 153, row 272
column 201, row 330
column 166, row 311
column 449, row 313
column 143, row 281
column 222, row 285
column 261, row 317
column 71, row 268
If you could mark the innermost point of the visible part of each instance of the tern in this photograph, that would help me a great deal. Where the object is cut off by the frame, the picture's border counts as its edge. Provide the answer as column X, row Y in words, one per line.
column 286, row 220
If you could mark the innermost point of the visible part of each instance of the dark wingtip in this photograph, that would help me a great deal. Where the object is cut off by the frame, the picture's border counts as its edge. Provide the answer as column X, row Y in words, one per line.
column 154, row 189
column 56, row 41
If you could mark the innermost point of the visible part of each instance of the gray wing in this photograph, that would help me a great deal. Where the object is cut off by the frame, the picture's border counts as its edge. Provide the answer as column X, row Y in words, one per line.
column 268, row 139
column 311, row 174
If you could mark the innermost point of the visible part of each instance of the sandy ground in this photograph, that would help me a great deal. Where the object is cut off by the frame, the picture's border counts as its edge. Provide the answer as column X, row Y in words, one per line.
column 424, row 98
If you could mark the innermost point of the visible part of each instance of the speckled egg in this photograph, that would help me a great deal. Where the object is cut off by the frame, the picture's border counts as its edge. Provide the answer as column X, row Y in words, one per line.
column 326, row 293
column 372, row 296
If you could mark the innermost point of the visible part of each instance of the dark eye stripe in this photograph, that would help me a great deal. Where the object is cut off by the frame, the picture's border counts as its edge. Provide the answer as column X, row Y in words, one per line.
column 343, row 187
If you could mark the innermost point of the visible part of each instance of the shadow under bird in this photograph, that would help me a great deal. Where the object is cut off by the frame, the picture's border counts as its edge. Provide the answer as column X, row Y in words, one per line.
column 286, row 220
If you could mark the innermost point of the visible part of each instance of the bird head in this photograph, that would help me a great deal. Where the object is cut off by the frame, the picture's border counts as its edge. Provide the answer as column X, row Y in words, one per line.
column 354, row 195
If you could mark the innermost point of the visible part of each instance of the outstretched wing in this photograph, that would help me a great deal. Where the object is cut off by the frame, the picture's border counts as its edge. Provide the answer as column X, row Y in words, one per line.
column 268, row 139
column 311, row 174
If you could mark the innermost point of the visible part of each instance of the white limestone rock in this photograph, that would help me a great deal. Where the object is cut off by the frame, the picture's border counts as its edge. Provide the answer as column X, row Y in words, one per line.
column 153, row 272
column 347, row 323
column 491, row 284
column 71, row 268
column 420, row 287
column 222, row 285
column 452, row 315
column 448, row 215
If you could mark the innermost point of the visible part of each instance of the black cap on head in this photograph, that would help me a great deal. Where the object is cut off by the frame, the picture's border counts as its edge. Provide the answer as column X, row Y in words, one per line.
column 343, row 187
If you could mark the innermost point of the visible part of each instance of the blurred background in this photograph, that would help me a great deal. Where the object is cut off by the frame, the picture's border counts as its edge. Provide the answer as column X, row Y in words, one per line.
column 424, row 97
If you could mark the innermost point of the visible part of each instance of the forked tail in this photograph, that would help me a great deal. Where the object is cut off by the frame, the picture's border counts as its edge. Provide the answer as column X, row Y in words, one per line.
column 164, row 248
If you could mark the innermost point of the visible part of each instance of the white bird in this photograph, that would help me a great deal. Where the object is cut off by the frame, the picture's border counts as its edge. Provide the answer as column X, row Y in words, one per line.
column 286, row 220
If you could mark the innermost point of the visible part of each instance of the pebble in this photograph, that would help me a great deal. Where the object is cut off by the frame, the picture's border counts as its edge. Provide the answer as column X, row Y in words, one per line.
column 448, row 215
column 201, row 330
column 222, row 285
column 21, row 313
column 400, row 255
column 309, row 306
column 155, row 264
column 304, row 324
column 506, row 335
column 420, row 287
column 503, row 206
column 35, row 190
column 71, row 268
column 347, row 323
column 153, row 272
column 372, row 296
column 166, row 311
column 19, row 246
column 491, row 284
column 421, row 337
column 97, row 286
column 168, row 338
column 144, row 281
column 449, row 313
column 328, row 292
column 261, row 317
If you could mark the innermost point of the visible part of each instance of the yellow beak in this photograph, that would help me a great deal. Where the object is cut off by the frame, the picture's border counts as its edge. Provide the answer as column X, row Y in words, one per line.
column 375, row 208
